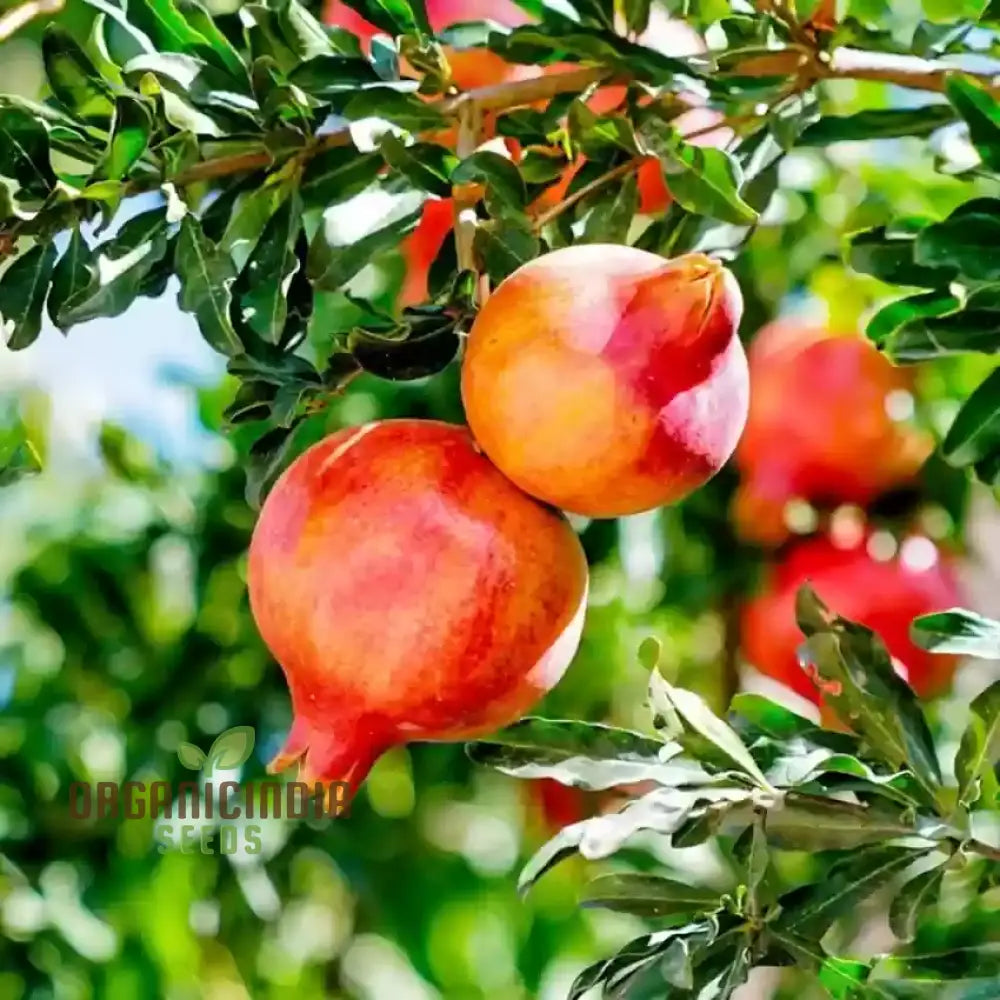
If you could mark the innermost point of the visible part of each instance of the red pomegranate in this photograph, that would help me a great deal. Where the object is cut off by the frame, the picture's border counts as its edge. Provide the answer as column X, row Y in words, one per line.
column 883, row 594
column 838, row 409
column 607, row 380
column 410, row 592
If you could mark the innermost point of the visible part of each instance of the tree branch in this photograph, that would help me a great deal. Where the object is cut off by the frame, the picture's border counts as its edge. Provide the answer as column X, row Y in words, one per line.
column 17, row 17
column 887, row 67
column 622, row 170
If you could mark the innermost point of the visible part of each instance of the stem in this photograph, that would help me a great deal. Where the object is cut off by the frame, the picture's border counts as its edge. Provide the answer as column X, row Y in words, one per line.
column 887, row 67
column 470, row 120
column 622, row 170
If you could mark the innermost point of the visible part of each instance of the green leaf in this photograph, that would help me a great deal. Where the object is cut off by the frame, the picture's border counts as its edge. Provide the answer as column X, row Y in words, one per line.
column 584, row 754
column 270, row 270
column 206, row 275
column 232, row 748
column 982, row 113
column 853, row 669
column 426, row 165
column 887, row 253
column 118, row 269
column 964, row 633
column 24, row 151
column 74, row 78
column 504, row 245
column 703, row 180
column 131, row 127
column 597, row 135
column 810, row 823
column 395, row 17
column 891, row 318
column 648, row 896
column 190, row 756
column 683, row 716
column 965, row 242
column 881, row 123
column 18, row 455
column 267, row 458
column 809, row 911
column 337, row 254
column 505, row 190
column 954, row 333
column 975, row 433
column 611, row 218
column 226, row 54
column 23, row 288
column 979, row 750
column 74, row 272
column 912, row 899
column 250, row 216
column 406, row 110
column 122, row 40
column 305, row 36
column 337, row 174
column 636, row 15
column 331, row 75
column 422, row 345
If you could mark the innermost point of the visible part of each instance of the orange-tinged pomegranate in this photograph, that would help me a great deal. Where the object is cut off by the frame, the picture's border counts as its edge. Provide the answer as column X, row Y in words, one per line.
column 409, row 592
column 607, row 380
column 885, row 595
column 828, row 424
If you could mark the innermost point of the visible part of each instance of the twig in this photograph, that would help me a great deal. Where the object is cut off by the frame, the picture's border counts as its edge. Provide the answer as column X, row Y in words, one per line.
column 470, row 121
column 17, row 17
column 887, row 67
column 622, row 170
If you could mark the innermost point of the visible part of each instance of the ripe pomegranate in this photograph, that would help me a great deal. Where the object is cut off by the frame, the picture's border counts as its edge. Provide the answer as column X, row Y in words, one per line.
column 835, row 405
column 410, row 592
column 607, row 380
column 555, row 805
column 883, row 594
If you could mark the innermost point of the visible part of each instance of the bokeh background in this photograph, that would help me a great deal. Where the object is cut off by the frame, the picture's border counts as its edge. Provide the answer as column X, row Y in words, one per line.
column 125, row 630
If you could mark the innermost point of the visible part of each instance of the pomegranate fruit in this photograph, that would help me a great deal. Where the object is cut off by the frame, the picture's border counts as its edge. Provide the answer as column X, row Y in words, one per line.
column 607, row 380
column 885, row 595
column 409, row 592
column 839, row 410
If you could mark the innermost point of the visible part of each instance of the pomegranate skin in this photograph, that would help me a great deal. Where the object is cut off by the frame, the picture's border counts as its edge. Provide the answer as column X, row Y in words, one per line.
column 409, row 592
column 827, row 399
column 606, row 380
column 883, row 595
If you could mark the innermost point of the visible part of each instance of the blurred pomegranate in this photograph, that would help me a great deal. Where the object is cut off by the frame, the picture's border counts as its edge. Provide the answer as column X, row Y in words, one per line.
column 828, row 423
column 885, row 594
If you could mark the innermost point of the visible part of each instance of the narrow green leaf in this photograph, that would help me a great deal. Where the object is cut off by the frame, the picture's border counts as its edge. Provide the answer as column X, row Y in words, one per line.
column 584, row 754
column 964, row 633
column 270, row 270
column 418, row 347
column 853, row 669
column 611, row 218
column 681, row 714
column 406, row 110
column 888, row 254
column 74, row 272
column 975, row 433
column 896, row 315
column 203, row 23
column 504, row 245
column 805, row 823
column 335, row 257
column 965, row 243
column 24, row 151
column 118, row 270
column 980, row 746
column 23, row 288
column 336, row 175
column 426, row 165
column 305, row 36
column 395, row 17
column 131, row 127
column 332, row 75
column 268, row 456
column 982, row 113
column 636, row 15
column 809, row 911
column 881, row 123
column 73, row 77
column 505, row 188
column 648, row 896
column 206, row 275
column 251, row 214
column 912, row 899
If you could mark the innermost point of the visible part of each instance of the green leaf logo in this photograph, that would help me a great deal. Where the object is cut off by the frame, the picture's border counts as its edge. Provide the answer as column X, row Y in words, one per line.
column 230, row 749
